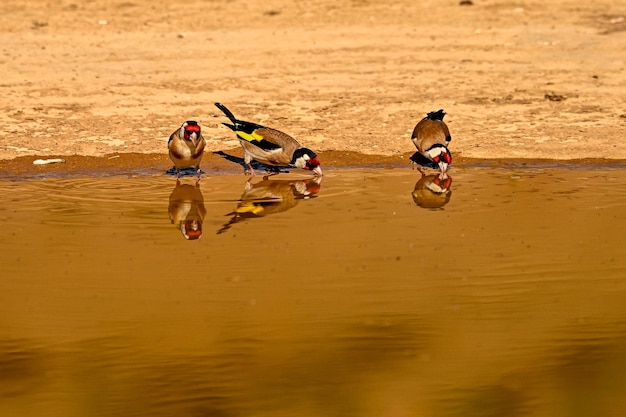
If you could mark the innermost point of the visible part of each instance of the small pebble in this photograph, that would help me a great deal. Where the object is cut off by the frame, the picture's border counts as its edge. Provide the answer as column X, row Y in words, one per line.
column 48, row 161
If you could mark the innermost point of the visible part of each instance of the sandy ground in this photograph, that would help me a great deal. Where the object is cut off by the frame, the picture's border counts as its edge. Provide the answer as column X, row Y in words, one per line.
column 518, row 79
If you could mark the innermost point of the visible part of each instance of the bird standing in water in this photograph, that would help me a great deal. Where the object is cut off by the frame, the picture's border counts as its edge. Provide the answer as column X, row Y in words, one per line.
column 270, row 146
column 431, row 138
column 186, row 147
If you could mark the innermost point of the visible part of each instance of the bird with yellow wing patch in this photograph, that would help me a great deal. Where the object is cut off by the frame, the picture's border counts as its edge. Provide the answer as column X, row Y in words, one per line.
column 270, row 146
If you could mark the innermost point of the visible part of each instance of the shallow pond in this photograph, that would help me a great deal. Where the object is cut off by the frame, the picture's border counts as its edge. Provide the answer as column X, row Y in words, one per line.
column 499, row 292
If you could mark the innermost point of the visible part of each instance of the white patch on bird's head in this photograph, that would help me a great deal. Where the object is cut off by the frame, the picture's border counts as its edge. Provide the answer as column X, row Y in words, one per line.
column 436, row 151
column 441, row 156
column 301, row 161
column 306, row 159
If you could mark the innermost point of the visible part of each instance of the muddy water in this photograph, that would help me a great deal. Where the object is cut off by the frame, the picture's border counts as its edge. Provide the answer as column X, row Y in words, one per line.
column 372, row 293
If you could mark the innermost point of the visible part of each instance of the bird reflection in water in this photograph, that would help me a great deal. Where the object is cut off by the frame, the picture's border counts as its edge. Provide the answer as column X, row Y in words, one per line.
column 186, row 209
column 271, row 196
column 432, row 191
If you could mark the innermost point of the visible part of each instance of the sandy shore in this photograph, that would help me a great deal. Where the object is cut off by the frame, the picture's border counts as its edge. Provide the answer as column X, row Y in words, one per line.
column 522, row 80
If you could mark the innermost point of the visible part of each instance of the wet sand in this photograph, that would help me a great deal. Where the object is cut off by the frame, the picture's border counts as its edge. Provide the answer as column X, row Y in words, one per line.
column 22, row 168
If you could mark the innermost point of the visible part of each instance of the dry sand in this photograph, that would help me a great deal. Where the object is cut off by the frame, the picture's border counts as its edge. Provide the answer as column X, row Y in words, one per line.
column 518, row 79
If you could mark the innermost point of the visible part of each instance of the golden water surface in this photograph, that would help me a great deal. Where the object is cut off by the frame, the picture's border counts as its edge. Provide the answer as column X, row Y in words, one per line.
column 371, row 293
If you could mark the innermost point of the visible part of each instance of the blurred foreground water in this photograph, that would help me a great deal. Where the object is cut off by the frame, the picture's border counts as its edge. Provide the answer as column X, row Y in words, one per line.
column 370, row 293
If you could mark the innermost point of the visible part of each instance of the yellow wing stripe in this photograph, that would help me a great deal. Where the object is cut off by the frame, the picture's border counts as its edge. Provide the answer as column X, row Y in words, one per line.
column 249, row 208
column 249, row 136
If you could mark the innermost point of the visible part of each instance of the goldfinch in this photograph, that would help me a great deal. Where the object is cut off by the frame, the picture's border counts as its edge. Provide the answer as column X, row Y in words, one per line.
column 432, row 191
column 431, row 138
column 186, row 147
column 270, row 146
column 186, row 210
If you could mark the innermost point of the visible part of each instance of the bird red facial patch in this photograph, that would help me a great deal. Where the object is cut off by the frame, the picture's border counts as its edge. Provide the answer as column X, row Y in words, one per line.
column 313, row 162
column 190, row 129
column 447, row 157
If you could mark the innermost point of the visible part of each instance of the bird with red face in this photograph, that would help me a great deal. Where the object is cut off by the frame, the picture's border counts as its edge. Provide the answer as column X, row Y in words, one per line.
column 270, row 146
column 186, row 146
column 431, row 138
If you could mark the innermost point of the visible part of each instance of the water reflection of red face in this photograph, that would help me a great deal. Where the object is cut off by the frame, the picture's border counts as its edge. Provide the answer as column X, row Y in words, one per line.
column 193, row 229
column 443, row 182
column 312, row 187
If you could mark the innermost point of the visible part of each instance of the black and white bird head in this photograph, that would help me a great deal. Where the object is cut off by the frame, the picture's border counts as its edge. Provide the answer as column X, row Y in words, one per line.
column 305, row 158
column 441, row 156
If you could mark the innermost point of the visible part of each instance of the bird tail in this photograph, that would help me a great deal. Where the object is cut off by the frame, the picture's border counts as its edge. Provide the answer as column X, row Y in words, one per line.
column 236, row 123
column 436, row 115
column 227, row 113
column 240, row 127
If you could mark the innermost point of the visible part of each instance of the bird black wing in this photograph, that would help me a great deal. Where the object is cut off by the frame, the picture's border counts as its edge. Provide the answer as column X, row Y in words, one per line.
column 249, row 131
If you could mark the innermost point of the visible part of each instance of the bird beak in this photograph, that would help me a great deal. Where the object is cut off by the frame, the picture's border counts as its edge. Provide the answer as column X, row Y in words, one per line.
column 443, row 166
column 317, row 171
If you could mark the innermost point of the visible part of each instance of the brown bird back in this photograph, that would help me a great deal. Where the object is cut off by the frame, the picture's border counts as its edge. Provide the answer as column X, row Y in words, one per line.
column 430, row 132
column 280, row 156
